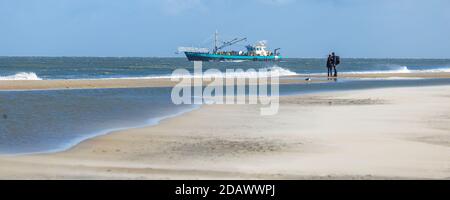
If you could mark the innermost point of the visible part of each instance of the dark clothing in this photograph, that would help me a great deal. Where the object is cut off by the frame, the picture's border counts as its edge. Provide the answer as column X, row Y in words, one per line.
column 330, row 71
column 330, row 66
column 334, row 60
column 335, row 71
column 329, row 62
column 334, row 64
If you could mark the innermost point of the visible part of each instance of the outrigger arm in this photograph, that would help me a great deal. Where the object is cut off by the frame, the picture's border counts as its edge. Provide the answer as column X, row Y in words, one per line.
column 229, row 43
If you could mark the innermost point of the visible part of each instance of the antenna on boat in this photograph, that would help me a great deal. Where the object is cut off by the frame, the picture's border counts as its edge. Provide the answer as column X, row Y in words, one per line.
column 216, row 37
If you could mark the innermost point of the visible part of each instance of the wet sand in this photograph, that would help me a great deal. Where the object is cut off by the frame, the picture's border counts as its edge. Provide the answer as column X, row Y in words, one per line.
column 390, row 133
column 165, row 82
column 394, row 75
column 112, row 83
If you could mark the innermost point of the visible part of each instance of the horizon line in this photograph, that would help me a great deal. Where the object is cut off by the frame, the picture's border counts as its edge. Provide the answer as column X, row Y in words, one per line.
column 47, row 56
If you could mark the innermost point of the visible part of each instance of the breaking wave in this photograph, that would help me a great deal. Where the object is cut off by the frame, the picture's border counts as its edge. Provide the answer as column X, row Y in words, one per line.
column 273, row 71
column 211, row 73
column 21, row 76
column 401, row 69
column 262, row 72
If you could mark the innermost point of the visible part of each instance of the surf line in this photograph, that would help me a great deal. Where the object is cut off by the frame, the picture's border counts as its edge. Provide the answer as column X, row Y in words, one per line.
column 235, row 87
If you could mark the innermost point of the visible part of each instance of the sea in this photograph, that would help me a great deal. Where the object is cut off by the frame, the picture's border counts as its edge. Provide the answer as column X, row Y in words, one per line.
column 45, row 121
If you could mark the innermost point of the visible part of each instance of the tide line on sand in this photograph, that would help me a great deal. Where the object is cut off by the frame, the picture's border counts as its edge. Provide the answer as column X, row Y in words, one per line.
column 166, row 82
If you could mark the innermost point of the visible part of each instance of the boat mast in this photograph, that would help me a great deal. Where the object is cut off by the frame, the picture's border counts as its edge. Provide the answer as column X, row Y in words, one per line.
column 215, row 41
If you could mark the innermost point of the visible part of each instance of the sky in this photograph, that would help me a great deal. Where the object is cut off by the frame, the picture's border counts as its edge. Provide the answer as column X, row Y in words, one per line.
column 155, row 28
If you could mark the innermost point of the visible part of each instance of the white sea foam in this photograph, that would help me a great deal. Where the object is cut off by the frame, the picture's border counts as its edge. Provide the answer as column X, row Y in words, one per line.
column 436, row 70
column 234, row 61
column 402, row 69
column 21, row 76
column 263, row 72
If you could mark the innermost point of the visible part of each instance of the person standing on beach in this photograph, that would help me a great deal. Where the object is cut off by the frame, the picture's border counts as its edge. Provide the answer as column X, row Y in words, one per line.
column 335, row 62
column 329, row 66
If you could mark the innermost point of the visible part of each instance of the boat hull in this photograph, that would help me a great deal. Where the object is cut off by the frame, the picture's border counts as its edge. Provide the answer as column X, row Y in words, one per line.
column 194, row 56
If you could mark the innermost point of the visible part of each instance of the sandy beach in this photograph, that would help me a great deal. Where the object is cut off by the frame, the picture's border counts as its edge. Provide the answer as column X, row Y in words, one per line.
column 225, row 90
column 390, row 133
column 166, row 82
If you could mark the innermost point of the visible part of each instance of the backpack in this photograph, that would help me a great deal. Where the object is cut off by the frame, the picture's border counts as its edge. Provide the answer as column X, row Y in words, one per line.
column 338, row 60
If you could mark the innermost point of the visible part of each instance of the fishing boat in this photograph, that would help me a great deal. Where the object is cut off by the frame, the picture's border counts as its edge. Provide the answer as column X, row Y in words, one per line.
column 256, row 52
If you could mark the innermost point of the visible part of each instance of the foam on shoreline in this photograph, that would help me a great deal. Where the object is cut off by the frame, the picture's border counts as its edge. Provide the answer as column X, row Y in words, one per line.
column 22, row 76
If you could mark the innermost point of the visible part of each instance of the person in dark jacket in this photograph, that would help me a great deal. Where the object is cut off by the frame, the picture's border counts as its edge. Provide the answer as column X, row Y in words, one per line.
column 330, row 66
column 335, row 62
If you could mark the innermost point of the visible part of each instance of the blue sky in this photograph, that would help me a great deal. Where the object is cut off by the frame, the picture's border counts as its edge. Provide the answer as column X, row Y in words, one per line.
column 302, row 28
